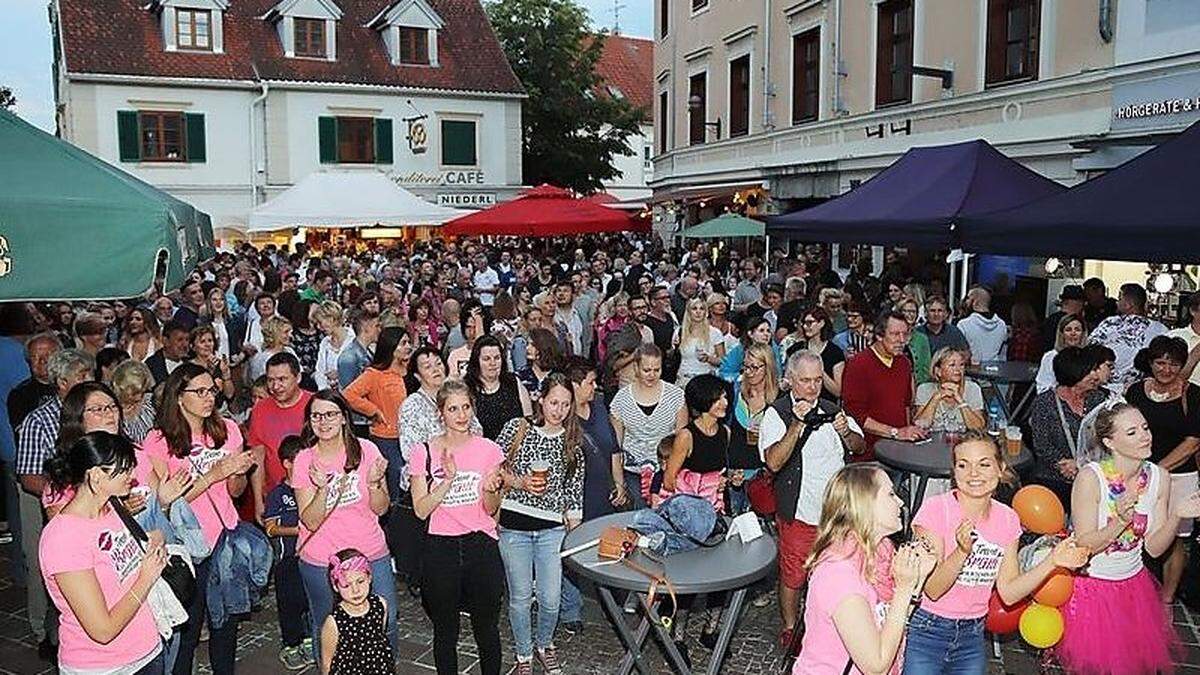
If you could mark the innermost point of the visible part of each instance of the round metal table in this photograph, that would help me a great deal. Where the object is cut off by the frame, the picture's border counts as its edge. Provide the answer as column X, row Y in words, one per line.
column 927, row 459
column 1007, row 372
column 729, row 566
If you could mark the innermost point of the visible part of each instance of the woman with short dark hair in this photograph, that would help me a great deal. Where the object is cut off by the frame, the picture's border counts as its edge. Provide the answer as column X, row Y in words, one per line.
column 1055, row 417
column 1171, row 406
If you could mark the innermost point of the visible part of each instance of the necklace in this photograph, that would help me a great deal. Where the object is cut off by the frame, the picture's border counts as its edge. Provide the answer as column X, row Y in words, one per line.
column 1131, row 537
column 1159, row 396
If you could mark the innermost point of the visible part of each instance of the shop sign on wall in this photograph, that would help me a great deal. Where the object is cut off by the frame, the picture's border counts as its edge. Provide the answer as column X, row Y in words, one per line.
column 467, row 200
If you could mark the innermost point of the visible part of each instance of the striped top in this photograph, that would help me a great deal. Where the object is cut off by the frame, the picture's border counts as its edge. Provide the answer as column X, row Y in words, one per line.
column 643, row 431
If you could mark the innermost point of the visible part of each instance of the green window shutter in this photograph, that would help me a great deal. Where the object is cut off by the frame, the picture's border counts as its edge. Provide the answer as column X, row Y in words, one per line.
column 196, row 151
column 383, row 140
column 127, row 136
column 327, row 130
column 458, row 143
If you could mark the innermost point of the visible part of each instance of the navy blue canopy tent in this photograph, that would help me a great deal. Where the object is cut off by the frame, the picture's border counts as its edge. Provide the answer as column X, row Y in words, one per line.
column 1144, row 210
column 916, row 201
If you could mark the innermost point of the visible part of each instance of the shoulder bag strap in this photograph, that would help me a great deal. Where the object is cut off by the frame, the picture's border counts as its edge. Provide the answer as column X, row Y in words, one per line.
column 131, row 524
column 1062, row 419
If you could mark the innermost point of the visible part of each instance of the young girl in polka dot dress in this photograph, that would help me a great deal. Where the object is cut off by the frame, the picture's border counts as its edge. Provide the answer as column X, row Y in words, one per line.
column 354, row 636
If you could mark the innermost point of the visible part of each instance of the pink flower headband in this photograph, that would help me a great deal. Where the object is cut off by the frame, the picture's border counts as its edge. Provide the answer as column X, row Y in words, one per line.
column 338, row 569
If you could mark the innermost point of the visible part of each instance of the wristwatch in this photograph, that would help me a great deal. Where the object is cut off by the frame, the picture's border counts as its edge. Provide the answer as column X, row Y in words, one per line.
column 894, row 433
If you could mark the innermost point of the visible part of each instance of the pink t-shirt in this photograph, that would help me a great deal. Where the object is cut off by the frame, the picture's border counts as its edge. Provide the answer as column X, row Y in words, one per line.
column 214, row 509
column 461, row 511
column 71, row 543
column 968, row 597
column 141, row 484
column 351, row 523
column 838, row 576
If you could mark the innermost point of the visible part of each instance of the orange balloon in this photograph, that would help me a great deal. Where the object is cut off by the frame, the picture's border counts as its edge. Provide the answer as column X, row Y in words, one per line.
column 1039, row 509
column 1056, row 589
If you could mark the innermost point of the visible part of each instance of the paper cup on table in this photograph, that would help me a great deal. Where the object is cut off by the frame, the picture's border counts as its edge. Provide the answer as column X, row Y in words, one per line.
column 1014, row 440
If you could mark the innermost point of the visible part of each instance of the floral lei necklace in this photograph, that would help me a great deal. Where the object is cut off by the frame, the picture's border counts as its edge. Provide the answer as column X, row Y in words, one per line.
column 1131, row 537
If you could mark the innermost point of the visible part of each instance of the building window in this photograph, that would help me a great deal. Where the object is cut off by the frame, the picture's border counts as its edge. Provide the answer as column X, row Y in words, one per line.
column 664, row 18
column 309, row 37
column 356, row 140
column 663, row 116
column 697, row 107
column 698, row 5
column 458, row 143
column 894, row 53
column 193, row 29
column 739, row 96
column 162, row 136
column 1012, row 40
column 414, row 46
column 806, row 76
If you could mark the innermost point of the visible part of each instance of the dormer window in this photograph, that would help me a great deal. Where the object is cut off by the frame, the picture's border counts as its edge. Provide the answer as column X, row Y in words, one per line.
column 193, row 28
column 191, row 25
column 309, row 37
column 410, row 31
column 414, row 46
column 307, row 28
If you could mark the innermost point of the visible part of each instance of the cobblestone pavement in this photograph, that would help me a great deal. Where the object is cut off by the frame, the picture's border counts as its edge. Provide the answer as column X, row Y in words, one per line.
column 594, row 652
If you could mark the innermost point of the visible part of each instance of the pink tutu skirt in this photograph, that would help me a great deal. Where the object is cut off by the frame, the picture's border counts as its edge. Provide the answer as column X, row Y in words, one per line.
column 1117, row 628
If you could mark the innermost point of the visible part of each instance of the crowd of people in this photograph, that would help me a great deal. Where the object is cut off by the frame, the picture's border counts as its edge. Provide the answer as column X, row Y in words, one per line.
column 358, row 424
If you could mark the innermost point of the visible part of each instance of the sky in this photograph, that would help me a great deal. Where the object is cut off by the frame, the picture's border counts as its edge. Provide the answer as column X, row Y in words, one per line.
column 25, row 50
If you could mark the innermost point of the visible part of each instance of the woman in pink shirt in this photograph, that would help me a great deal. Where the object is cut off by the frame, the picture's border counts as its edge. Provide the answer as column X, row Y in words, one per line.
column 95, row 571
column 457, row 484
column 858, row 592
column 975, row 539
column 192, row 436
column 341, row 491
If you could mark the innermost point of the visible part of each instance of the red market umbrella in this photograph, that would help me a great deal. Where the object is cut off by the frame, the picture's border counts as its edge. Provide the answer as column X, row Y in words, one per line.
column 543, row 211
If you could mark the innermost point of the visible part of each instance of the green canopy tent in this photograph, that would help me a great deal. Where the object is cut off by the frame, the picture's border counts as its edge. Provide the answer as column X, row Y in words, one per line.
column 726, row 225
column 729, row 225
column 73, row 227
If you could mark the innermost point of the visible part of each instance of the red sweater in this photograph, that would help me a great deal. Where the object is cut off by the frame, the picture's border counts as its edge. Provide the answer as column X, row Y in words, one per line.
column 872, row 389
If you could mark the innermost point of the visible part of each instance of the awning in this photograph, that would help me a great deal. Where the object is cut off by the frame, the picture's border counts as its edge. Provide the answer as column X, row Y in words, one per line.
column 1144, row 210
column 347, row 199
column 74, row 227
column 727, row 225
column 544, row 211
column 698, row 192
column 916, row 200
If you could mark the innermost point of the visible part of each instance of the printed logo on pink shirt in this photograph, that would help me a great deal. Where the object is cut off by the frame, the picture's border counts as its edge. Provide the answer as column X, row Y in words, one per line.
column 122, row 551
column 464, row 489
column 343, row 490
column 982, row 565
column 204, row 458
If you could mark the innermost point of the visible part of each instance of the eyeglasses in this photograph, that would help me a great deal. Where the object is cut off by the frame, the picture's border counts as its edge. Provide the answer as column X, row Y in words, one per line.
column 203, row 392
column 752, row 367
column 101, row 409
column 331, row 416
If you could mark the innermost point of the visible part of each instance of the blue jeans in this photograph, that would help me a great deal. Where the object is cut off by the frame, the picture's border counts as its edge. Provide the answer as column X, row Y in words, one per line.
column 390, row 448
column 571, row 608
column 532, row 558
column 320, row 597
column 948, row 646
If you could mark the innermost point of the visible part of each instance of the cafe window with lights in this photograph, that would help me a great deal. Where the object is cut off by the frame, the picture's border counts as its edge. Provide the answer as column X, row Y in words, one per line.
column 1013, row 28
column 894, row 53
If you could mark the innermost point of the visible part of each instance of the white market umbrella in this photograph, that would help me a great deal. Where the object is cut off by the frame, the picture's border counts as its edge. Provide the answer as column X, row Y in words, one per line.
column 348, row 199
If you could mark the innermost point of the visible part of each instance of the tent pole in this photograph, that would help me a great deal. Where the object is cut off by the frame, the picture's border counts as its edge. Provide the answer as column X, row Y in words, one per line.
column 767, row 256
column 966, row 267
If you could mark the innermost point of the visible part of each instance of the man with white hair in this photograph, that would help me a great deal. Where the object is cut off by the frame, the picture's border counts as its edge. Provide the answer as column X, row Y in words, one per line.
column 804, row 452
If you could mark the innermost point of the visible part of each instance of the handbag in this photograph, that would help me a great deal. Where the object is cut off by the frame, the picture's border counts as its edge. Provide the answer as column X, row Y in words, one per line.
column 616, row 543
column 760, row 490
column 619, row 545
column 177, row 573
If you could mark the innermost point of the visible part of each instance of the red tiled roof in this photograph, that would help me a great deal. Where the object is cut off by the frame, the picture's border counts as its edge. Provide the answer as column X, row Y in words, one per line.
column 627, row 63
column 121, row 37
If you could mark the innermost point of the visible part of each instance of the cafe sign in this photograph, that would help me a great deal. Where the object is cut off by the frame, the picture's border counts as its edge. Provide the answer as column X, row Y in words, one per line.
column 467, row 200
column 1172, row 106
column 438, row 178
column 1156, row 103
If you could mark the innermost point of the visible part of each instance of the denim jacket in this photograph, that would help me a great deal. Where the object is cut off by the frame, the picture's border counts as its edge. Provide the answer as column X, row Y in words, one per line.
column 240, row 567
column 178, row 526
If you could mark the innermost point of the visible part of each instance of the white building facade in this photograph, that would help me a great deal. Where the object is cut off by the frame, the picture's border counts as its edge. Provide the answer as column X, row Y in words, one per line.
column 224, row 104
